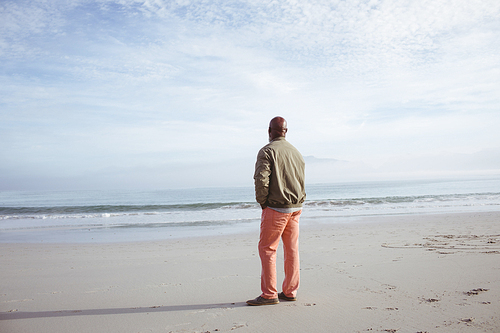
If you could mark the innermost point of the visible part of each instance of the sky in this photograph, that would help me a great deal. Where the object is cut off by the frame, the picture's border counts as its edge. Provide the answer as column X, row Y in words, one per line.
column 154, row 94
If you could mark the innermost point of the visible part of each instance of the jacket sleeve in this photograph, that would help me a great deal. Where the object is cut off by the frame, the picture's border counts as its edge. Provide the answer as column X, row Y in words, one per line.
column 261, row 177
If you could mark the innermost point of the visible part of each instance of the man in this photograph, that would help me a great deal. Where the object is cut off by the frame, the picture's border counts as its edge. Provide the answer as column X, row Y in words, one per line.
column 280, row 191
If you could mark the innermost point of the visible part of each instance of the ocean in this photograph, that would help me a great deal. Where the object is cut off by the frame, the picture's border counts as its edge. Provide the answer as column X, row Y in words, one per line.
column 126, row 215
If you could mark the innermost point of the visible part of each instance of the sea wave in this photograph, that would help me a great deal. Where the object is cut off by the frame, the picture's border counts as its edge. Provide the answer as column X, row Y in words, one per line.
column 112, row 210
column 472, row 197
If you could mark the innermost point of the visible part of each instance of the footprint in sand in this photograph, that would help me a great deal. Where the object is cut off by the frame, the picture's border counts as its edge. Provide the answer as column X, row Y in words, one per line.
column 236, row 326
column 475, row 291
column 309, row 304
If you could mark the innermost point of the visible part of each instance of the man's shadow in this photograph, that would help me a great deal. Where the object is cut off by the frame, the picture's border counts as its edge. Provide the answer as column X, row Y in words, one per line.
column 114, row 311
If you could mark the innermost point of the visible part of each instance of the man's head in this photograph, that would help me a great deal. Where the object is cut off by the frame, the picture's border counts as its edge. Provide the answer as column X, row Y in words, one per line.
column 277, row 128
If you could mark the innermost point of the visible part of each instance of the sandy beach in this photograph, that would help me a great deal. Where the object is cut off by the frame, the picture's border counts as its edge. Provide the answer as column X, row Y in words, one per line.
column 410, row 273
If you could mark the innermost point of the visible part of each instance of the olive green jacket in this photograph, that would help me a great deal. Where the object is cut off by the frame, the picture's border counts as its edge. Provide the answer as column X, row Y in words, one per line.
column 279, row 175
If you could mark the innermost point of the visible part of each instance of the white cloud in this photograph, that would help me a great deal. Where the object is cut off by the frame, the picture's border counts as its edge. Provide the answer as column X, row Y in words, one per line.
column 198, row 81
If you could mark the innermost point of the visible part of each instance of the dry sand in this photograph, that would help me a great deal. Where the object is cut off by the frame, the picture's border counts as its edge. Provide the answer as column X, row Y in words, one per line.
column 414, row 273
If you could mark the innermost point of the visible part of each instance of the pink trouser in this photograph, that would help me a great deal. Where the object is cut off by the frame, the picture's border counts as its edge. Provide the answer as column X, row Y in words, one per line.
column 275, row 225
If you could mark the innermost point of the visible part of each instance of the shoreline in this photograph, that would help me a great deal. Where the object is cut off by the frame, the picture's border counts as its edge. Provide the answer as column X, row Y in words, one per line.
column 81, row 235
column 404, row 273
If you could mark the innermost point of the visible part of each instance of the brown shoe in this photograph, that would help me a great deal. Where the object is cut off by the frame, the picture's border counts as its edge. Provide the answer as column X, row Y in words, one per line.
column 263, row 301
column 284, row 297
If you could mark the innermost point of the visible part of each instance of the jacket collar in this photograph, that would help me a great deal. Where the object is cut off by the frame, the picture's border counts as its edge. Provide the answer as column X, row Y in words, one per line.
column 279, row 138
